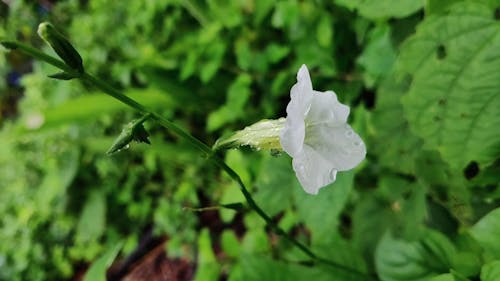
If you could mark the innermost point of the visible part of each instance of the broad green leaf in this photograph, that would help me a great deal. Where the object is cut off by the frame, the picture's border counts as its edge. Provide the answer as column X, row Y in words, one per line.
column 398, row 260
column 491, row 271
column 383, row 8
column 453, row 100
column 391, row 129
column 259, row 268
column 395, row 204
column 487, row 232
column 443, row 277
column 88, row 107
column 208, row 269
column 275, row 184
column 97, row 271
column 321, row 213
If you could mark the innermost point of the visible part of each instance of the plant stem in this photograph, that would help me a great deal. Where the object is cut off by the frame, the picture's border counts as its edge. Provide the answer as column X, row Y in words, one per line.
column 205, row 149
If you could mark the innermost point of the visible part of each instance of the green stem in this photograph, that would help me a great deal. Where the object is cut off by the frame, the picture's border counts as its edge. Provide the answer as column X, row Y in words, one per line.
column 207, row 151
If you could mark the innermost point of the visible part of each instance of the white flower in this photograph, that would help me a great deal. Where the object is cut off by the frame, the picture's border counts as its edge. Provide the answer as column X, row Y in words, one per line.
column 317, row 136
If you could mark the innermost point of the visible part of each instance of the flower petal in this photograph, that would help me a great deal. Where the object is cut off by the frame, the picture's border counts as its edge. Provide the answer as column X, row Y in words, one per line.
column 301, row 94
column 337, row 143
column 325, row 107
column 292, row 136
column 312, row 170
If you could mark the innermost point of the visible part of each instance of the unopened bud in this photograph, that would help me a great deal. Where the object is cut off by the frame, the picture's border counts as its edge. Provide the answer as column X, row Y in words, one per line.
column 132, row 131
column 61, row 46
column 264, row 134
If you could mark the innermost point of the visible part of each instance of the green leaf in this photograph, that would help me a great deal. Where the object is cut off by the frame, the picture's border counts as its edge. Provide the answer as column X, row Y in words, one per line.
column 378, row 55
column 134, row 130
column 93, row 218
column 438, row 6
column 62, row 76
column 383, row 8
column 331, row 200
column 491, row 271
column 230, row 244
column 97, row 271
column 395, row 204
column 453, row 100
column 88, row 107
column 487, row 232
column 398, row 260
column 208, row 269
column 443, row 277
column 324, row 31
column 258, row 268
column 392, row 130
column 275, row 184
column 237, row 96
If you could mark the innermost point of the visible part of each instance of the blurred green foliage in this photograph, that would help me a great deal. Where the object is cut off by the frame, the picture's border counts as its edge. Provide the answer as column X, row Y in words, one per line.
column 421, row 77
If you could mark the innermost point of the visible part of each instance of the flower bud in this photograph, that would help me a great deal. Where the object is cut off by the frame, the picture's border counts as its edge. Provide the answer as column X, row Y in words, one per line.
column 61, row 46
column 264, row 134
column 132, row 131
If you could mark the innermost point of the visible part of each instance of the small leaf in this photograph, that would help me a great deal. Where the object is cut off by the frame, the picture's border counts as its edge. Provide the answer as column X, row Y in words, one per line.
column 398, row 259
column 234, row 206
column 208, row 268
column 383, row 9
column 97, row 271
column 63, row 76
column 132, row 131
column 491, row 271
column 9, row 45
column 487, row 232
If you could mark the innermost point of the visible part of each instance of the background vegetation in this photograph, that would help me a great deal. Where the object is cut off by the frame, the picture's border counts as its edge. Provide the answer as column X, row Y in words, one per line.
column 423, row 82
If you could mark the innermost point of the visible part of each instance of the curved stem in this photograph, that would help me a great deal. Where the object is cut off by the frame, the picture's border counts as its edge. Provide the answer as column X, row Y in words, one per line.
column 205, row 149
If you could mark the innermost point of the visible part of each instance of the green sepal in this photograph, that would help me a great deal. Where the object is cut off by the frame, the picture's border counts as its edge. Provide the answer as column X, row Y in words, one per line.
column 8, row 45
column 264, row 134
column 63, row 76
column 132, row 131
column 61, row 46
column 234, row 206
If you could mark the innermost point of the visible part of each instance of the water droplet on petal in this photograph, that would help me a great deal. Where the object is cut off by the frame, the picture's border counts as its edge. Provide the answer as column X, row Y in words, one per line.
column 307, row 111
column 349, row 133
column 346, row 150
column 332, row 175
column 301, row 168
column 357, row 143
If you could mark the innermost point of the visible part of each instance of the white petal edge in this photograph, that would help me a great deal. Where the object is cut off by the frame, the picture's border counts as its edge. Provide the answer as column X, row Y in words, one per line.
column 312, row 171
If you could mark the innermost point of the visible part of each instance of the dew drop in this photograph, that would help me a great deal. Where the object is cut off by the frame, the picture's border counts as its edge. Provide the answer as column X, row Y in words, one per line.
column 307, row 111
column 348, row 133
column 357, row 143
column 332, row 175
column 126, row 147
column 301, row 168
